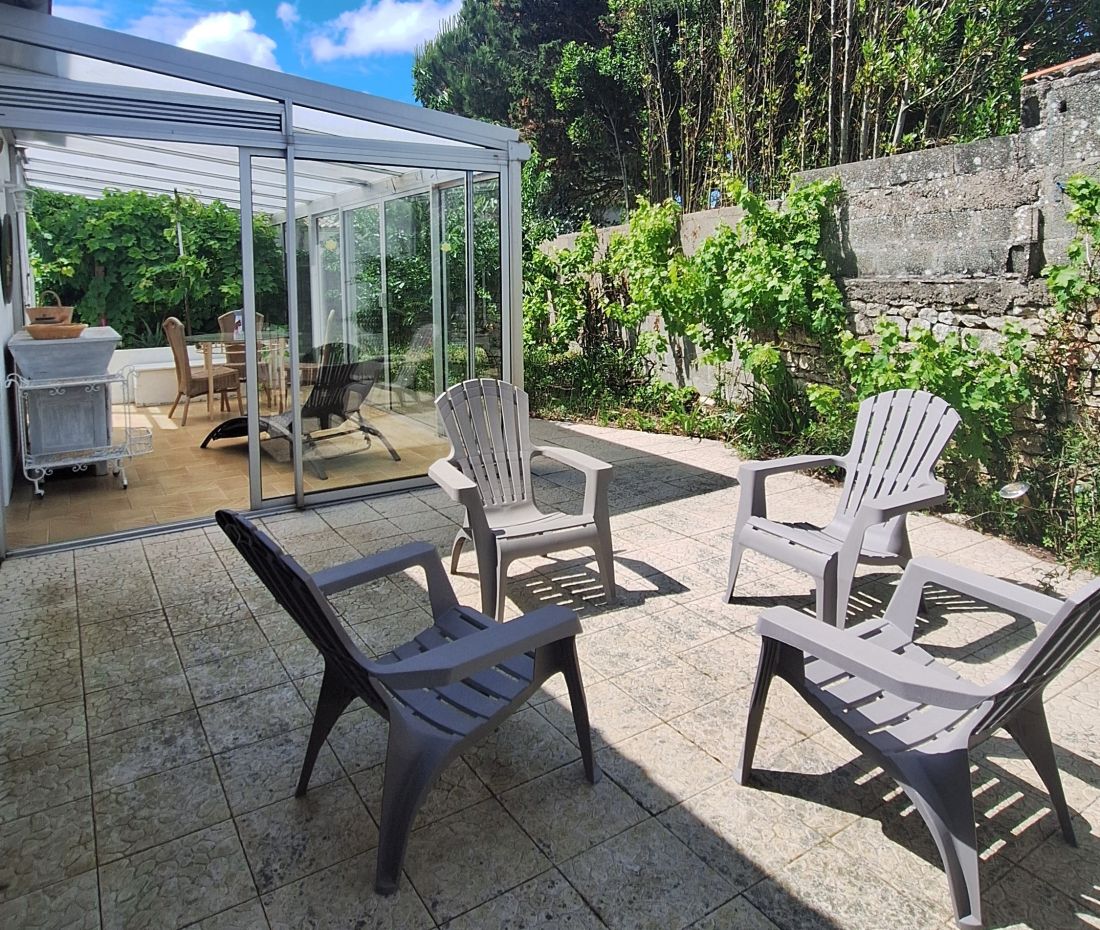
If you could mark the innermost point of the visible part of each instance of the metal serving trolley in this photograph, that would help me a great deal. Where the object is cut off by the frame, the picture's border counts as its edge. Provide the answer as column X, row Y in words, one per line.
column 70, row 423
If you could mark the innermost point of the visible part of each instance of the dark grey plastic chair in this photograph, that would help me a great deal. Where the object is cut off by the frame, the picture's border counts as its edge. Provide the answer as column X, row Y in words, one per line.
column 898, row 438
column 916, row 717
column 489, row 472
column 441, row 692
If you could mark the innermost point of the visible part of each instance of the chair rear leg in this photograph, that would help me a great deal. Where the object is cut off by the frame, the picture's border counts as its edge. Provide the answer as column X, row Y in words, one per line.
column 605, row 559
column 1029, row 729
column 186, row 408
column 765, row 671
column 174, row 406
column 570, row 666
column 456, row 550
column 412, row 766
column 736, row 554
column 333, row 700
column 939, row 787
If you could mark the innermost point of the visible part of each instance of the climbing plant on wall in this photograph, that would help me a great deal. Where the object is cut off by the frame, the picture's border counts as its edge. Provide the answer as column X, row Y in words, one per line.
column 117, row 259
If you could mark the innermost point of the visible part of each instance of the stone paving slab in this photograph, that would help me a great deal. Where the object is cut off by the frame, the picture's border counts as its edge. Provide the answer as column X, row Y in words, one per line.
column 155, row 703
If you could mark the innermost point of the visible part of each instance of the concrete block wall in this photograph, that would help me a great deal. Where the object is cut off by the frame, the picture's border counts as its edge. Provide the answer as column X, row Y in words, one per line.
column 954, row 237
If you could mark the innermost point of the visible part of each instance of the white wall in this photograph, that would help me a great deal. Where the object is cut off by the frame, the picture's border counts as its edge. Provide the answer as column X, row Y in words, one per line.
column 11, row 312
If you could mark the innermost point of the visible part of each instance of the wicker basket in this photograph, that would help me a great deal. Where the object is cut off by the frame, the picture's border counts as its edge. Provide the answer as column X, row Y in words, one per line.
column 55, row 314
column 55, row 330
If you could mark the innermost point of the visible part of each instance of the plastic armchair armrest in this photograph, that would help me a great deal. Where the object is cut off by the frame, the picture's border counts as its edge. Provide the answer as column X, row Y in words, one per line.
column 597, row 474
column 858, row 657
column 752, row 477
column 457, row 486
column 764, row 469
column 995, row 592
column 461, row 658
column 339, row 578
column 888, row 506
column 588, row 464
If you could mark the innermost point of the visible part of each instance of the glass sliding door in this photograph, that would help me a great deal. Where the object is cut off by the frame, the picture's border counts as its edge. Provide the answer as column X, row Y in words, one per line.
column 396, row 276
column 330, row 324
column 365, row 278
column 410, row 323
column 265, row 334
column 487, row 322
column 454, row 280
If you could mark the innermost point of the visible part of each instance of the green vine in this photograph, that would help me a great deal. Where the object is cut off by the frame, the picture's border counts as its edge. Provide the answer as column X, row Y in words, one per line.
column 117, row 258
column 767, row 276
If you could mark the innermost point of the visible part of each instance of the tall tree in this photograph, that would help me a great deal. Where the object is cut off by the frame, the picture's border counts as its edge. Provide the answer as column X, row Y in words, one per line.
column 672, row 98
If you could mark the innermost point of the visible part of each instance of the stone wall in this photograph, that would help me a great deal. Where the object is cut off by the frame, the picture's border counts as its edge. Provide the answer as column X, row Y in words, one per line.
column 955, row 237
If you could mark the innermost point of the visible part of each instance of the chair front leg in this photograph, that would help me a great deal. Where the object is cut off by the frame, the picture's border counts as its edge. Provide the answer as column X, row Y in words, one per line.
column 570, row 666
column 500, row 589
column 844, row 575
column 753, row 501
column 456, row 550
column 939, row 786
column 737, row 552
column 605, row 560
column 413, row 763
column 765, row 670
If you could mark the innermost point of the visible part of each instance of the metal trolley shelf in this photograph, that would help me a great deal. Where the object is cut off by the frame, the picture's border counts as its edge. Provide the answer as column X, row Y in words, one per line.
column 118, row 442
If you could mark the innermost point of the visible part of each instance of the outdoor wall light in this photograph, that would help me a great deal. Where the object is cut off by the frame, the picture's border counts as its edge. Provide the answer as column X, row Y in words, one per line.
column 1016, row 491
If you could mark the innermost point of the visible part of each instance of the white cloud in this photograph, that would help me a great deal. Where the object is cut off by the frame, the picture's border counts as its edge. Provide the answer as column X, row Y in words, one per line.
column 231, row 35
column 287, row 14
column 385, row 26
column 81, row 13
column 166, row 21
column 177, row 22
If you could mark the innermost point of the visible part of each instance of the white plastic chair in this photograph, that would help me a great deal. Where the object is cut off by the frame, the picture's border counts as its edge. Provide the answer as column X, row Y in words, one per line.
column 899, row 435
column 488, row 471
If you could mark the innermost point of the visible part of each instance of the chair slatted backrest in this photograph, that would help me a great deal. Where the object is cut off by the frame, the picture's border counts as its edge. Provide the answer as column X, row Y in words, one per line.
column 419, row 349
column 338, row 371
column 296, row 593
column 234, row 347
column 488, row 425
column 173, row 331
column 1062, row 639
column 899, row 435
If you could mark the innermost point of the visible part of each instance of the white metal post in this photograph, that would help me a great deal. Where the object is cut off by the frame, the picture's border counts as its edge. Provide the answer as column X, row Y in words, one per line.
column 511, row 269
column 255, row 494
column 292, row 321
column 471, row 309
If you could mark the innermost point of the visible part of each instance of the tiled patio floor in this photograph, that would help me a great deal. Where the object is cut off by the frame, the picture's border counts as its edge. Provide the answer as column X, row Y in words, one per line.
column 154, row 707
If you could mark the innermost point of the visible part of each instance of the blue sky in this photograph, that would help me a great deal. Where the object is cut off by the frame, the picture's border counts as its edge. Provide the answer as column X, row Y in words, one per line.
column 367, row 47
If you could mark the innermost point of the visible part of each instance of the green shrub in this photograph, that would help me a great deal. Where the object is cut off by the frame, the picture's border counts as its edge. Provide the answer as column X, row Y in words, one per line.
column 986, row 386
